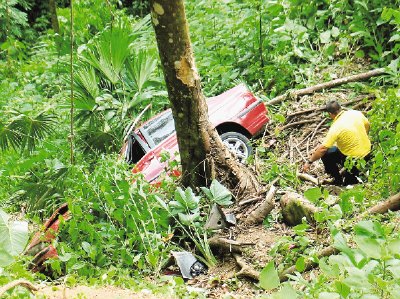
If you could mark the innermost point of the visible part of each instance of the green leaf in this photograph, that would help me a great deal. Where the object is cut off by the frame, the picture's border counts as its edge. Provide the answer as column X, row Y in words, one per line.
column 66, row 257
column 394, row 246
column 360, row 54
column 369, row 246
column 325, row 37
column 286, row 292
column 300, row 264
column 13, row 238
column 330, row 270
column 357, row 278
column 269, row 278
column 335, row 31
column 395, row 269
column 328, row 295
column 370, row 229
column 221, row 195
column 313, row 194
column 87, row 247
column 341, row 244
column 188, row 219
column 342, row 289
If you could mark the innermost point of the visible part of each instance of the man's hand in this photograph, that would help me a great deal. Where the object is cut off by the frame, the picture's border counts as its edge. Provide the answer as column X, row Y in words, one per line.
column 306, row 167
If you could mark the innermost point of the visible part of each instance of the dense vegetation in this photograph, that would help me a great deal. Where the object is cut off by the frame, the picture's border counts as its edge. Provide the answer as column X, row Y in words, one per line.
column 121, row 231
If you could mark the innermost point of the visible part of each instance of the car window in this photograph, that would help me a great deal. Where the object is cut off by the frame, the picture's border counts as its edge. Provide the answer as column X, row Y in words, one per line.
column 160, row 128
column 134, row 151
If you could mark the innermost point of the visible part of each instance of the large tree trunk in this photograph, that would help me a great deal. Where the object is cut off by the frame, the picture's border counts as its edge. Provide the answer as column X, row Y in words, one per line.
column 202, row 152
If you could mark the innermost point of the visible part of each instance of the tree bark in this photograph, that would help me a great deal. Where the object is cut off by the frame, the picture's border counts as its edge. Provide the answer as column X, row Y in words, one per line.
column 326, row 85
column 203, row 155
column 295, row 207
column 53, row 16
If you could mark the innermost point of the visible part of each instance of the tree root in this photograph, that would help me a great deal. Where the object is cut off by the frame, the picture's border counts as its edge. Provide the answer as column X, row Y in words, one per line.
column 259, row 214
column 22, row 282
column 224, row 245
column 245, row 269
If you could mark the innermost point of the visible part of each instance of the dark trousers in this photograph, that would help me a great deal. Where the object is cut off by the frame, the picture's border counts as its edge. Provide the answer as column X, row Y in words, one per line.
column 334, row 158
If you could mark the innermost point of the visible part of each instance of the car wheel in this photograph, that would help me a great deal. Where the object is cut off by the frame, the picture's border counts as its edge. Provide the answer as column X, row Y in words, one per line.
column 238, row 144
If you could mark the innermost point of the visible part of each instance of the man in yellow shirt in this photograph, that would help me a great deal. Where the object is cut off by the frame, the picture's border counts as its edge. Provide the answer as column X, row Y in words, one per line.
column 349, row 131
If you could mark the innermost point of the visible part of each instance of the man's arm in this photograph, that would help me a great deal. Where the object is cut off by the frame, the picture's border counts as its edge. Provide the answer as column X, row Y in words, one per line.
column 317, row 154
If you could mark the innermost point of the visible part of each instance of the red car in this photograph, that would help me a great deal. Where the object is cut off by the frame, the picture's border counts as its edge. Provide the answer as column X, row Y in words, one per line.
column 237, row 115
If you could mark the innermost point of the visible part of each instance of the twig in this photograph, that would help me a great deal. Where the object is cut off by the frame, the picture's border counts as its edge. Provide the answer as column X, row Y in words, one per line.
column 302, row 122
column 298, row 150
column 245, row 202
column 316, row 129
column 291, row 149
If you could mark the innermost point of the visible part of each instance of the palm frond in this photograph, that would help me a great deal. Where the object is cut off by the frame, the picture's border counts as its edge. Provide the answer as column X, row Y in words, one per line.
column 140, row 68
column 109, row 52
column 9, row 136
column 28, row 130
column 86, row 88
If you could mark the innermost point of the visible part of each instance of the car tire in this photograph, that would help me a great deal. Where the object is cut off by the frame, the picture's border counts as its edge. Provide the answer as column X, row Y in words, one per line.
column 238, row 144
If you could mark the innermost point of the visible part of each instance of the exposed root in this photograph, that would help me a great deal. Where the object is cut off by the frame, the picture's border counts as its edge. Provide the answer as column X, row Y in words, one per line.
column 224, row 245
column 21, row 282
column 245, row 269
column 259, row 214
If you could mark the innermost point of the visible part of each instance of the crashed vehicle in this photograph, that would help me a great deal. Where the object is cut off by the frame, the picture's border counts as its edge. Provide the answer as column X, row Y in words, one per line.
column 236, row 114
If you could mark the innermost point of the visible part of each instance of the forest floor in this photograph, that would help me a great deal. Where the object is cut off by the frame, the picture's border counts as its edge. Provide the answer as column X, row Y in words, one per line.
column 293, row 143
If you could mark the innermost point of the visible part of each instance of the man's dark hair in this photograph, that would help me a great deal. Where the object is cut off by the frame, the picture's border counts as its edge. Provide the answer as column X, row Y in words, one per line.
column 333, row 107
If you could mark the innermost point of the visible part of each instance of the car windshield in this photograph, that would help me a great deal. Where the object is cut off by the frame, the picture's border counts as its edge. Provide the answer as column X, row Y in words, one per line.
column 160, row 128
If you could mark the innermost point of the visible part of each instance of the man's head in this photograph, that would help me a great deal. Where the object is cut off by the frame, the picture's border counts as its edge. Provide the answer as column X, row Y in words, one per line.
column 333, row 108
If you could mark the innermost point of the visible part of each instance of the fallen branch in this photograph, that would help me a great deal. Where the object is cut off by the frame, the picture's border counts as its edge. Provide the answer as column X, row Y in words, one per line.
column 309, row 264
column 307, row 177
column 392, row 204
column 21, row 282
column 316, row 109
column 326, row 85
column 259, row 214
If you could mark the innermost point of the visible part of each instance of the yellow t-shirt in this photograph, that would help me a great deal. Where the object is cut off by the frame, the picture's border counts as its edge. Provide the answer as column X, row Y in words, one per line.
column 349, row 133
